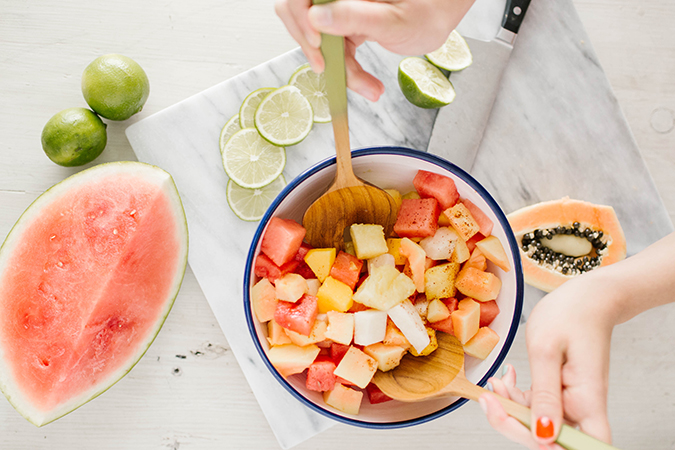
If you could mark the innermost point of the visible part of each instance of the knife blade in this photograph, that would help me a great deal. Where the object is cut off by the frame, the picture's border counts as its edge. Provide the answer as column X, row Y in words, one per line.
column 458, row 129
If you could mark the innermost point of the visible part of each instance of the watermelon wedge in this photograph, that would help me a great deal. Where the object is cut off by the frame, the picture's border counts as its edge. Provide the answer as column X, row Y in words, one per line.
column 88, row 275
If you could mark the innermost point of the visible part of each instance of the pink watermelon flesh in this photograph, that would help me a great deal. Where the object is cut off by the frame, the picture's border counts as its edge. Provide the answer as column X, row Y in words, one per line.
column 87, row 288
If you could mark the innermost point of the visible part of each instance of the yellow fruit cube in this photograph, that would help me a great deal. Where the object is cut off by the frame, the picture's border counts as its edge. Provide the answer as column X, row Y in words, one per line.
column 394, row 246
column 396, row 195
column 411, row 194
column 439, row 280
column 344, row 399
column 320, row 260
column 433, row 344
column 461, row 252
column 387, row 356
column 334, row 295
column 384, row 288
column 368, row 240
column 289, row 359
column 462, row 221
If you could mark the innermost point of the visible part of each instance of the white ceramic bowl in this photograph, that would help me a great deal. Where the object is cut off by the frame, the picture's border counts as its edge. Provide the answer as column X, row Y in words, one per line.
column 394, row 167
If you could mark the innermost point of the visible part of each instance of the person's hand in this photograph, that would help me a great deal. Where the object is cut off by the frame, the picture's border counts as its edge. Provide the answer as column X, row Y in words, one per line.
column 409, row 27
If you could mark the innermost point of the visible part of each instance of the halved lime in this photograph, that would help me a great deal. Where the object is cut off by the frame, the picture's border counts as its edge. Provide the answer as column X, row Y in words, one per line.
column 249, row 105
column 423, row 84
column 251, row 161
column 230, row 127
column 284, row 117
column 251, row 204
column 453, row 55
column 313, row 86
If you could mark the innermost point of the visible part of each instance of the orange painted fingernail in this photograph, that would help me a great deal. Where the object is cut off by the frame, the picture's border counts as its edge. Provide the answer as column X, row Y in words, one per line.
column 544, row 428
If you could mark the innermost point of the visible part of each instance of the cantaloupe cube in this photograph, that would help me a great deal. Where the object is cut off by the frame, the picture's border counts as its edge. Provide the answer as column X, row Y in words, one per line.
column 437, row 311
column 394, row 249
column 356, row 367
column 384, row 288
column 369, row 326
column 263, row 300
column 493, row 250
column 461, row 252
column 405, row 317
column 466, row 320
column 483, row 286
column 313, row 285
column 343, row 399
column 394, row 336
column 276, row 334
column 441, row 245
column 318, row 333
column 387, row 356
column 482, row 343
column 289, row 359
column 461, row 220
column 340, row 327
column 368, row 240
column 291, row 287
column 417, row 259
column 440, row 280
column 320, row 260
column 384, row 259
column 477, row 260
column 334, row 295
column 433, row 344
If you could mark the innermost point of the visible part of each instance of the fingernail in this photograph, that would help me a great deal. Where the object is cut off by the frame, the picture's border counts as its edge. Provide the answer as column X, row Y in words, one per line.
column 544, row 429
column 505, row 370
column 483, row 404
column 489, row 387
column 322, row 16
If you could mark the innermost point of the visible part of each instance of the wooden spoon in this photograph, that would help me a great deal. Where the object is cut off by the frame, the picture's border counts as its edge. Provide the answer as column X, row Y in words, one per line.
column 442, row 374
column 349, row 199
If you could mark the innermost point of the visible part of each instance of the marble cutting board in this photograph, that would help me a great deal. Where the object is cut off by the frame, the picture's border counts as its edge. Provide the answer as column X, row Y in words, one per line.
column 556, row 129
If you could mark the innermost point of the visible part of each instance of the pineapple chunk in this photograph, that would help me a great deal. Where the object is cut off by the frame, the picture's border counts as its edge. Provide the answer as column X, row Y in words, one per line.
column 411, row 194
column 433, row 344
column 394, row 246
column 441, row 245
column 368, row 240
column 385, row 259
column 396, row 195
column 289, row 359
column 356, row 367
column 334, row 295
column 440, row 280
column 437, row 311
column 263, row 300
column 387, row 356
column 344, row 399
column 340, row 327
column 461, row 252
column 291, row 287
column 405, row 317
column 384, row 288
column 461, row 220
column 370, row 326
column 320, row 260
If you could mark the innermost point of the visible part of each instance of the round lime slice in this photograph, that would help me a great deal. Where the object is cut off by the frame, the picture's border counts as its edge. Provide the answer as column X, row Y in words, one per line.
column 453, row 55
column 423, row 84
column 313, row 86
column 251, row 161
column 284, row 117
column 230, row 127
column 249, row 105
column 251, row 204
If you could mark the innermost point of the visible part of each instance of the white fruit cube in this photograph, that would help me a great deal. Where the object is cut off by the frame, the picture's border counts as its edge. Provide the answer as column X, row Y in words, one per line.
column 313, row 285
column 263, row 300
column 441, row 245
column 340, row 327
column 384, row 288
column 356, row 367
column 437, row 311
column 386, row 259
column 368, row 240
column 289, row 359
column 387, row 356
column 291, row 287
column 405, row 317
column 493, row 250
column 343, row 399
column 369, row 326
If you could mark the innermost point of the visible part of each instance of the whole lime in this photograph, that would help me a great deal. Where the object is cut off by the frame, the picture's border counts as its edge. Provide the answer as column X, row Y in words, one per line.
column 73, row 137
column 115, row 86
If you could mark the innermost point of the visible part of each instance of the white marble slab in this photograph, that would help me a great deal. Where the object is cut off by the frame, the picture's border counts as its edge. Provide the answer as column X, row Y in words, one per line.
column 556, row 129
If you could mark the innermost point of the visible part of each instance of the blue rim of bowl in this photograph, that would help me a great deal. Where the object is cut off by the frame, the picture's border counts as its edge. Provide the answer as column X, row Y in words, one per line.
column 468, row 179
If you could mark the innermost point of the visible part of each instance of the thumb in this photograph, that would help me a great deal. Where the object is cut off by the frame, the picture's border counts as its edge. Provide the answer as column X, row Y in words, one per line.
column 373, row 20
column 547, row 411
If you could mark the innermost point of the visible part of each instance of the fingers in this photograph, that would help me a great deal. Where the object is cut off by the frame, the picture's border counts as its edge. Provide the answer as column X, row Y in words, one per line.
column 505, row 424
column 546, row 366
column 358, row 80
column 376, row 19
column 293, row 13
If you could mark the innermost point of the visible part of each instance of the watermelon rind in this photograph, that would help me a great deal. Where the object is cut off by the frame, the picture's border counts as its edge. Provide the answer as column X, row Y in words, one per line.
column 149, row 172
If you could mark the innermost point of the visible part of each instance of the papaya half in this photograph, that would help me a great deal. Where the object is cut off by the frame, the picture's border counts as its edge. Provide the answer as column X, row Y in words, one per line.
column 561, row 239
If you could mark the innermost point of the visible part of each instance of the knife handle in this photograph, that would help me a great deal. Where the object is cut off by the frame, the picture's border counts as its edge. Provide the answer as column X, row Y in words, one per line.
column 514, row 14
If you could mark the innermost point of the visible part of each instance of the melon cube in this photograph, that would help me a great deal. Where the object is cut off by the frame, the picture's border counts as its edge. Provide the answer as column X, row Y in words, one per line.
column 276, row 334
column 484, row 223
column 316, row 335
column 417, row 218
column 340, row 327
column 445, row 325
column 334, row 295
column 387, row 356
column 385, row 259
column 289, row 359
column 433, row 344
column 477, row 260
column 263, row 300
column 369, row 240
column 394, row 336
column 466, row 320
column 405, row 317
column 384, row 288
column 417, row 260
column 483, row 286
column 493, row 250
column 299, row 316
column 291, row 287
column 282, row 239
column 320, row 375
column 320, row 260
column 440, row 187
column 344, row 399
column 440, row 280
column 346, row 268
column 394, row 246
column 356, row 367
column 461, row 220
column 437, row 311
column 441, row 245
column 369, row 326
column 461, row 253
column 482, row 343
column 313, row 285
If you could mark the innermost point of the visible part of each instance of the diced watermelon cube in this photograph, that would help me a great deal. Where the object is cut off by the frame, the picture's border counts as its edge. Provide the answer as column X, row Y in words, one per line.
column 488, row 312
column 434, row 185
column 375, row 395
column 298, row 316
column 265, row 268
column 471, row 243
column 483, row 221
column 282, row 240
column 303, row 269
column 346, row 268
column 417, row 217
column 337, row 352
column 320, row 376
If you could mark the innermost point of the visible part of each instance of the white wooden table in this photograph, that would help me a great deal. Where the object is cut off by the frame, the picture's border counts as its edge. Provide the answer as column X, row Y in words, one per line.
column 188, row 391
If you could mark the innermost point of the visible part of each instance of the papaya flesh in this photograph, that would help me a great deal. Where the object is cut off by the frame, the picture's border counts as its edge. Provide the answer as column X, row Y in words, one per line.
column 546, row 234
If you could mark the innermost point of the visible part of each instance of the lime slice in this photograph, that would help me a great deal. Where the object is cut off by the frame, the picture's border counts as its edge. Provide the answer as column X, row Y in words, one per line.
column 423, row 84
column 453, row 55
column 249, row 105
column 251, row 161
column 231, row 127
column 284, row 117
column 313, row 86
column 251, row 204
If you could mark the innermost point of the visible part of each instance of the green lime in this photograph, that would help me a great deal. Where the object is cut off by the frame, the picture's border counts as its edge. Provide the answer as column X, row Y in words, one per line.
column 453, row 55
column 251, row 204
column 73, row 137
column 115, row 86
column 284, row 117
column 230, row 127
column 423, row 84
column 251, row 161
column 249, row 105
column 313, row 86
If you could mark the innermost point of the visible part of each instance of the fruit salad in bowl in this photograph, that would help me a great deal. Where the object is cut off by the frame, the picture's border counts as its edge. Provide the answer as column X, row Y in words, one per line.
column 325, row 321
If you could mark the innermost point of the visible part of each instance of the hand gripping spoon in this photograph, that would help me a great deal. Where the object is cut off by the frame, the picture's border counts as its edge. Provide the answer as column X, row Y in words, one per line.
column 349, row 199
column 442, row 374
